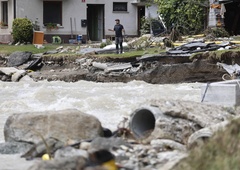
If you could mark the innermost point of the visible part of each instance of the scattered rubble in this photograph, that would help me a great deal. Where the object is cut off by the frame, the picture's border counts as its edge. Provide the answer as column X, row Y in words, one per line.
column 84, row 65
column 177, row 129
column 233, row 71
column 164, row 147
column 201, row 46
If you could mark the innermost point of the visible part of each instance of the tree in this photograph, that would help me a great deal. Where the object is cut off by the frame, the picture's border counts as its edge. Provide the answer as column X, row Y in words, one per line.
column 190, row 15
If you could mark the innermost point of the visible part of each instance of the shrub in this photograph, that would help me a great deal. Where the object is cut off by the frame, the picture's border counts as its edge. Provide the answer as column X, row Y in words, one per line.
column 189, row 14
column 103, row 44
column 145, row 25
column 108, row 41
column 22, row 30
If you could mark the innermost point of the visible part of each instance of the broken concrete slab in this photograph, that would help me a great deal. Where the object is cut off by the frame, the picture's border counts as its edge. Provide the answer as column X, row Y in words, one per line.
column 8, row 70
column 225, row 93
column 26, row 78
column 108, row 67
column 18, row 75
column 15, row 74
column 98, row 65
column 118, row 67
column 230, row 68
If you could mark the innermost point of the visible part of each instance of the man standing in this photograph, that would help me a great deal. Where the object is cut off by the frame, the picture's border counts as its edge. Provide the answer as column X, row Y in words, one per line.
column 119, row 29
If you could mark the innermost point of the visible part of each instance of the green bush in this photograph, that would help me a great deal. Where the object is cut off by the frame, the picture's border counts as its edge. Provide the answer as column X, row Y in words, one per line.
column 145, row 25
column 189, row 14
column 22, row 30
column 108, row 41
column 103, row 44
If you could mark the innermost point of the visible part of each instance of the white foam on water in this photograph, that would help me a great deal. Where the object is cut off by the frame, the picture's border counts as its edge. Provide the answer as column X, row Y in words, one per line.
column 109, row 102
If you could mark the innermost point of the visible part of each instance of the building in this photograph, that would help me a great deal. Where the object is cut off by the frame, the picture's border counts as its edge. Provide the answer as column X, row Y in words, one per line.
column 225, row 13
column 89, row 18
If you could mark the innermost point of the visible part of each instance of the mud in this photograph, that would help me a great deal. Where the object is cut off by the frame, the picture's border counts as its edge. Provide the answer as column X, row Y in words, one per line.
column 155, row 70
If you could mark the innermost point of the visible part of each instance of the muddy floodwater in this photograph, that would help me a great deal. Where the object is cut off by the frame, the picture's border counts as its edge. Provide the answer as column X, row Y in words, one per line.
column 109, row 102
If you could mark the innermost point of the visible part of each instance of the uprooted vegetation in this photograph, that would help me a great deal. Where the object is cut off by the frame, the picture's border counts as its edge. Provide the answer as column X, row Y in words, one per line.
column 226, row 56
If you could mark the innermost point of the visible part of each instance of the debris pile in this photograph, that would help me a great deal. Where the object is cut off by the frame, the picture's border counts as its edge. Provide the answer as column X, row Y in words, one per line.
column 177, row 129
column 201, row 46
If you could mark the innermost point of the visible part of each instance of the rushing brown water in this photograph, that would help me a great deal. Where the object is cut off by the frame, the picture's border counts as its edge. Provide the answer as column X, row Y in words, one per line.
column 109, row 102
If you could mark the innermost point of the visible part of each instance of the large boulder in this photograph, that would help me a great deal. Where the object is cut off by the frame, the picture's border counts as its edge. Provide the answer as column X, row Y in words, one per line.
column 14, row 147
column 62, row 125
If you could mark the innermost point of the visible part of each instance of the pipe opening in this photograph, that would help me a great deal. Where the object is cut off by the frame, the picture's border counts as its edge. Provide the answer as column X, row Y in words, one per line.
column 142, row 123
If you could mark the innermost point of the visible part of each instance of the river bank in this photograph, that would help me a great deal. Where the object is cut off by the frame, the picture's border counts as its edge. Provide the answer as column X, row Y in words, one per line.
column 111, row 95
column 109, row 102
column 154, row 68
column 192, row 60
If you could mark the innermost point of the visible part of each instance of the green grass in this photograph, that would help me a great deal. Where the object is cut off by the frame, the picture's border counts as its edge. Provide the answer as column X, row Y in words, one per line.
column 8, row 49
column 218, row 55
column 133, row 53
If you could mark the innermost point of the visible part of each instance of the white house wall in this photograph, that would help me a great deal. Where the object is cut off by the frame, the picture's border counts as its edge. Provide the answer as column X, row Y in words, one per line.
column 127, row 19
column 30, row 9
column 77, row 10
column 151, row 12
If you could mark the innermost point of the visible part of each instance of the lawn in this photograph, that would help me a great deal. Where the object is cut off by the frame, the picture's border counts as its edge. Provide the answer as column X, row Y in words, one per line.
column 8, row 49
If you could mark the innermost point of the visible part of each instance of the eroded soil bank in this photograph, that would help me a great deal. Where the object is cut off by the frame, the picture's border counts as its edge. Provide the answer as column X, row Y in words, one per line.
column 156, row 69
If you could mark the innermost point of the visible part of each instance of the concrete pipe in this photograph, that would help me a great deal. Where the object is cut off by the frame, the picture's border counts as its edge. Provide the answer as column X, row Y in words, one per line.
column 142, row 121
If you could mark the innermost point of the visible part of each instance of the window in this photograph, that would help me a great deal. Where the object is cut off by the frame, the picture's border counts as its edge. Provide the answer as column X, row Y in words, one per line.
column 4, row 14
column 52, row 12
column 119, row 6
